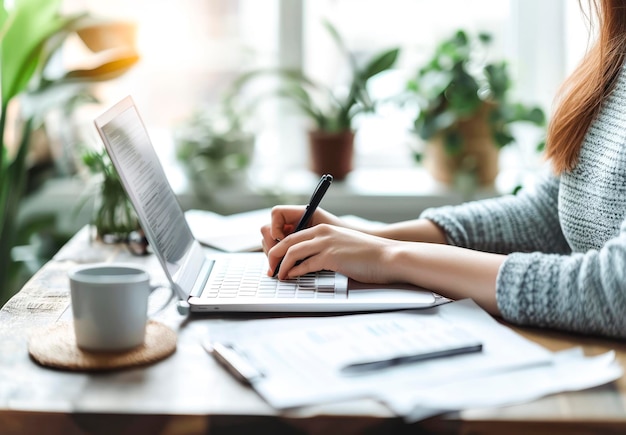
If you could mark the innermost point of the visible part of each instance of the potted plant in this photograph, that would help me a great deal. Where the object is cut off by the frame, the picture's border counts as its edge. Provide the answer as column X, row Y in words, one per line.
column 33, row 32
column 216, row 145
column 465, row 110
column 331, row 111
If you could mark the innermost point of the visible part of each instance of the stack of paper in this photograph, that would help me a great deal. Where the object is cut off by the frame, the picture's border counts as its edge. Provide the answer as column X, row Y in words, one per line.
column 299, row 361
column 570, row 370
column 239, row 232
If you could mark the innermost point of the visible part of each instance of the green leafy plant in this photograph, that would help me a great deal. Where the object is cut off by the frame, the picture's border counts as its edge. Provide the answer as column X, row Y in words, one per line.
column 114, row 214
column 330, row 110
column 32, row 32
column 456, row 83
column 215, row 146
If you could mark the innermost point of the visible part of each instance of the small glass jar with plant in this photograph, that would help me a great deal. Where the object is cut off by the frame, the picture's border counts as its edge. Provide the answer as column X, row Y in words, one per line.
column 465, row 110
column 114, row 216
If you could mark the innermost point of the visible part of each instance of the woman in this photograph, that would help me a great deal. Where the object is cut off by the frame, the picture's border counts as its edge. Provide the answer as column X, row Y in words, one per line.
column 554, row 257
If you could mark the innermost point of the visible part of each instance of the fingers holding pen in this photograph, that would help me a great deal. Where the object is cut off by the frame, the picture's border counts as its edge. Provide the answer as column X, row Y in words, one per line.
column 283, row 221
column 297, row 254
column 267, row 241
column 278, row 228
column 275, row 253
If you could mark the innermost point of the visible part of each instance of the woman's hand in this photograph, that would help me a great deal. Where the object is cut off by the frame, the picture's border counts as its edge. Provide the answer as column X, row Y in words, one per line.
column 450, row 271
column 283, row 222
column 408, row 252
column 327, row 247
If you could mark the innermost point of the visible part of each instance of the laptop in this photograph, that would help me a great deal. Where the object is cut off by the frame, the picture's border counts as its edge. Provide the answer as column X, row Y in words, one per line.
column 206, row 281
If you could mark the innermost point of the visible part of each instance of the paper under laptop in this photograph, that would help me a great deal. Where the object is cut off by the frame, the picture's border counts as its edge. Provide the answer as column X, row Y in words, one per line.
column 239, row 232
column 224, row 282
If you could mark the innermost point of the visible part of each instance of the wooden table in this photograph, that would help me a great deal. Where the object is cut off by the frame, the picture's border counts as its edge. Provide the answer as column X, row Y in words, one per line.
column 165, row 398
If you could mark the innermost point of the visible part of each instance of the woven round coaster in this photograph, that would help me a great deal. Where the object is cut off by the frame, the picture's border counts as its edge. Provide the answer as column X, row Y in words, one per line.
column 55, row 346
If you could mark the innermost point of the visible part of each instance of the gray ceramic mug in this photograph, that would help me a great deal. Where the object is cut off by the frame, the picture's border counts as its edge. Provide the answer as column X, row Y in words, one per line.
column 110, row 305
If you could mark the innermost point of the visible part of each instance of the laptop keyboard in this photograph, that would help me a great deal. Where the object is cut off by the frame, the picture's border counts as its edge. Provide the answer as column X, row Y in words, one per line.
column 233, row 278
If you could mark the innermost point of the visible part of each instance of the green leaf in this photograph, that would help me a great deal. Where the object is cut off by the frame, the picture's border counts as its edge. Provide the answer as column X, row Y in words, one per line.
column 5, row 23
column 461, row 39
column 452, row 142
column 32, row 24
column 520, row 112
column 411, row 85
column 541, row 146
column 380, row 63
column 299, row 93
column 299, row 96
column 485, row 38
column 462, row 94
column 535, row 116
column 498, row 78
column 56, row 40
column 429, row 124
column 502, row 138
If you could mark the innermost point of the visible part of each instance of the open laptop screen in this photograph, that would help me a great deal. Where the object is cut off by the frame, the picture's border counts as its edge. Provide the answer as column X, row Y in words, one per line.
column 157, row 207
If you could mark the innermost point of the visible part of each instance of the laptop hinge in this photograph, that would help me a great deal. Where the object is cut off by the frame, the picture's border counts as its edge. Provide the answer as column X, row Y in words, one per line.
column 203, row 277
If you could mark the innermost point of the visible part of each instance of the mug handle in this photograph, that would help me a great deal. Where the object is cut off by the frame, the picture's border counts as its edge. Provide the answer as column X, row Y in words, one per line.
column 166, row 303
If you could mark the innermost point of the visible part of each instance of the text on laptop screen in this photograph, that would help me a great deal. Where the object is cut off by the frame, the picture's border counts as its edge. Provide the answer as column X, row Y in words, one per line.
column 146, row 182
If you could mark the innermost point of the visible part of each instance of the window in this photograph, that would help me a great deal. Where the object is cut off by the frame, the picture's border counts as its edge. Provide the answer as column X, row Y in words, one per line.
column 414, row 26
column 191, row 49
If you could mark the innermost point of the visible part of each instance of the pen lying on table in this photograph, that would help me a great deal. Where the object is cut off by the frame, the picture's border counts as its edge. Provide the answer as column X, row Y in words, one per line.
column 374, row 365
column 314, row 202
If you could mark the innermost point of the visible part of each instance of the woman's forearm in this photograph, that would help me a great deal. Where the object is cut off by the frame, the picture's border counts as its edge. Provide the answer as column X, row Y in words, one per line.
column 450, row 271
column 418, row 230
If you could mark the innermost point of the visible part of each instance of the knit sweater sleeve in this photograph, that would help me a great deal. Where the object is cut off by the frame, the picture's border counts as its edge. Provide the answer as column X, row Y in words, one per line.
column 523, row 223
column 581, row 292
column 541, row 282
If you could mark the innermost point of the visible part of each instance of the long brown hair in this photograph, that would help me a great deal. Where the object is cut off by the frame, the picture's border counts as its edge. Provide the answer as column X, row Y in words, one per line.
column 582, row 94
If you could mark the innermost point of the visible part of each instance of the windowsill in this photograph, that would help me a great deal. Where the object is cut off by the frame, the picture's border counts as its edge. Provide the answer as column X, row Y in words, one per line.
column 386, row 195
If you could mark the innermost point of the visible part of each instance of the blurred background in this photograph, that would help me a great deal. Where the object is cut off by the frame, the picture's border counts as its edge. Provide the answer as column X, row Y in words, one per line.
column 191, row 49
column 186, row 56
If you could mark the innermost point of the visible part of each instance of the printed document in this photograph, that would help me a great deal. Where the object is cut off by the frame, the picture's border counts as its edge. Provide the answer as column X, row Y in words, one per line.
column 571, row 370
column 300, row 359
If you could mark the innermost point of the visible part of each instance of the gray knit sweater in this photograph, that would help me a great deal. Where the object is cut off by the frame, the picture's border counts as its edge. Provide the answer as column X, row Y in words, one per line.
column 566, row 239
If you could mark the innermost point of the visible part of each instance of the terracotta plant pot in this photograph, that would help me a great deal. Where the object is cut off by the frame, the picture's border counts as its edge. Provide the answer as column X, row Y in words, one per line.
column 478, row 156
column 331, row 153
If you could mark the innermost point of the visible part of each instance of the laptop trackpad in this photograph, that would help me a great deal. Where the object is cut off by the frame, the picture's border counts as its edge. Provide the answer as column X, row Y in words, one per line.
column 389, row 293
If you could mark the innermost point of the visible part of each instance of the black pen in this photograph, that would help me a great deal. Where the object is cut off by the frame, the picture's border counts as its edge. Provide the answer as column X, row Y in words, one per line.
column 375, row 365
column 315, row 200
